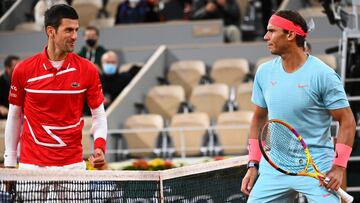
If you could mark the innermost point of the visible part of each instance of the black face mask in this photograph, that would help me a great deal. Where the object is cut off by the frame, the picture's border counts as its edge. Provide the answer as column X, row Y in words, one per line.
column 91, row 42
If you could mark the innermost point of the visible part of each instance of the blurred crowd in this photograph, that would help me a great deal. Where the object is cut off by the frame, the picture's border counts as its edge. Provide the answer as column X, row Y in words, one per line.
column 234, row 13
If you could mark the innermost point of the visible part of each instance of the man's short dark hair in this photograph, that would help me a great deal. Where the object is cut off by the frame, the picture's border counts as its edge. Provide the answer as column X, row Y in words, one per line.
column 56, row 13
column 93, row 28
column 296, row 18
column 9, row 59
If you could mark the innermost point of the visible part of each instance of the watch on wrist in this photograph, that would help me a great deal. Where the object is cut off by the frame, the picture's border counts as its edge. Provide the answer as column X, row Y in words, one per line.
column 252, row 164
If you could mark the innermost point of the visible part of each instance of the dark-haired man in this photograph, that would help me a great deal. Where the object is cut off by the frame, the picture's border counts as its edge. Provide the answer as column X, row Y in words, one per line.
column 301, row 90
column 5, row 79
column 50, row 89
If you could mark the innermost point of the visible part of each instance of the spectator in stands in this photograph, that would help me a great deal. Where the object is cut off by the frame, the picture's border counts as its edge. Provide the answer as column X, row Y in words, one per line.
column 5, row 81
column 112, row 81
column 131, row 11
column 177, row 10
column 47, row 93
column 267, row 9
column 92, row 50
column 40, row 8
column 152, row 11
column 227, row 10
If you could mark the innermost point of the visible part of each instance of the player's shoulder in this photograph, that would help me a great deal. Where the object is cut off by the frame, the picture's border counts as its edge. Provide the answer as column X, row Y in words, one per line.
column 269, row 65
column 31, row 61
column 320, row 66
column 83, row 63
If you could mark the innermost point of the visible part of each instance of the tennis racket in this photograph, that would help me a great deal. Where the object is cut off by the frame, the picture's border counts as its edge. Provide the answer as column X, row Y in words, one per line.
column 285, row 150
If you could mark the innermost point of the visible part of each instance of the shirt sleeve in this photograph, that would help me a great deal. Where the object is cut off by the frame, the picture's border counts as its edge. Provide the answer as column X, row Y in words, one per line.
column 12, row 135
column 258, row 96
column 94, row 94
column 334, row 95
column 17, row 91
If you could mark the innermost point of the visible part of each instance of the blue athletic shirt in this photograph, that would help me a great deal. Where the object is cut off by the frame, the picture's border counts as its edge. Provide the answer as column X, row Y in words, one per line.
column 301, row 98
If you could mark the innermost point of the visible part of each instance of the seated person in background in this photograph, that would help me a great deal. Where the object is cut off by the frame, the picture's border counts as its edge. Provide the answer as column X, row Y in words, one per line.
column 112, row 81
column 5, row 81
column 92, row 50
column 40, row 8
column 136, row 11
column 227, row 10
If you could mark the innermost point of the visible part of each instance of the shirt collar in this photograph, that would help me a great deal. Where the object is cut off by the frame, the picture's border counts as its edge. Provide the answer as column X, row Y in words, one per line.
column 47, row 65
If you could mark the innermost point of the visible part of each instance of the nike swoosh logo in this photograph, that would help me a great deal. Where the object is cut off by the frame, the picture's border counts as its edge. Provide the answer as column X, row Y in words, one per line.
column 302, row 86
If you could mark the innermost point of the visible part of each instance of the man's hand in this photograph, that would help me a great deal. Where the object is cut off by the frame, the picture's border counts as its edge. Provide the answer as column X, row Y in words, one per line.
column 249, row 180
column 4, row 111
column 98, row 160
column 335, row 175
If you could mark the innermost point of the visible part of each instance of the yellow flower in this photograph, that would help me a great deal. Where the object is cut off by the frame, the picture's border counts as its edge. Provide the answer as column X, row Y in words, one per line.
column 156, row 162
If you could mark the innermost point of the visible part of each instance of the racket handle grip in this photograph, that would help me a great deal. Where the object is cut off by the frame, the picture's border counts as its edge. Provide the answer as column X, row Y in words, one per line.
column 345, row 196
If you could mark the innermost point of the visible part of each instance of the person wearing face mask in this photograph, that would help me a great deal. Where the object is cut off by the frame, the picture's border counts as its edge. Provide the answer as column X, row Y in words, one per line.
column 92, row 50
column 112, row 81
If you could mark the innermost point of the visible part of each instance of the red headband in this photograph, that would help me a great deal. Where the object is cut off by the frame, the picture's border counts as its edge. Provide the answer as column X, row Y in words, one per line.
column 287, row 25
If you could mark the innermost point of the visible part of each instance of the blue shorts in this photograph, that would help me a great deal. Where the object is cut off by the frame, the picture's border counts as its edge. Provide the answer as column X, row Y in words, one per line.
column 274, row 186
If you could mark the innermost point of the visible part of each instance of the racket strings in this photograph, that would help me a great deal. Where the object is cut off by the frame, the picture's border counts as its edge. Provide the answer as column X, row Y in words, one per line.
column 283, row 148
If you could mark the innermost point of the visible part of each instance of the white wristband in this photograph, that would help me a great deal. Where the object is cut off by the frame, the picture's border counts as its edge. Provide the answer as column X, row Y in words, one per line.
column 10, row 158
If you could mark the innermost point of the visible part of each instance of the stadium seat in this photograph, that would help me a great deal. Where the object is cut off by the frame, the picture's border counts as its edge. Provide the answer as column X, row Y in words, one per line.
column 192, row 139
column 312, row 12
column 187, row 74
column 244, row 92
column 210, row 98
column 103, row 22
column 87, row 10
column 141, row 142
column 112, row 6
column 164, row 100
column 329, row 59
column 234, row 141
column 230, row 71
column 127, row 66
column 28, row 26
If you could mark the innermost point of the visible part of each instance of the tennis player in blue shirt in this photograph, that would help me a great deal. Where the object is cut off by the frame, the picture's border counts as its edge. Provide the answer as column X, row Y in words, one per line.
column 306, row 93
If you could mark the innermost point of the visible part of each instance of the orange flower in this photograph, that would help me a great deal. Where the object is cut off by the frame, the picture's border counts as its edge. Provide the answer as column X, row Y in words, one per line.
column 168, row 164
column 140, row 164
column 218, row 158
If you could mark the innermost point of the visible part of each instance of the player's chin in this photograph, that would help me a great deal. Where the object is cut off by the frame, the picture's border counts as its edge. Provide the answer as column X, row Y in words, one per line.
column 70, row 49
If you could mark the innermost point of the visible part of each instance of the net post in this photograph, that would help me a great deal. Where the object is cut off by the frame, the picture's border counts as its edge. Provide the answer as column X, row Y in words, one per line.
column 162, row 198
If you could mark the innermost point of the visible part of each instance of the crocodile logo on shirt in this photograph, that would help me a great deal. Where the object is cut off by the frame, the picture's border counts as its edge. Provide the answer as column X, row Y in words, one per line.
column 75, row 84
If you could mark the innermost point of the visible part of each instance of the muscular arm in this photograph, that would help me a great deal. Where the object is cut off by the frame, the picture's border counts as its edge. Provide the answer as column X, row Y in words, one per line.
column 345, row 136
column 347, row 125
column 12, row 135
column 258, row 120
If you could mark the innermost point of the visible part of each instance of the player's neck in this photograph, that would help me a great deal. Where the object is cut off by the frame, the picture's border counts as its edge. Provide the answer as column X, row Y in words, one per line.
column 55, row 54
column 293, row 59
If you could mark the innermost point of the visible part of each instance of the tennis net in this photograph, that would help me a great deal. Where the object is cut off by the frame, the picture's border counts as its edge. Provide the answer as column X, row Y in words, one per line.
column 217, row 181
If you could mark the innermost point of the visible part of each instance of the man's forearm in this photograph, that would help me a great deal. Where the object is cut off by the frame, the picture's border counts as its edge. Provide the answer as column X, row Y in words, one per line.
column 99, row 127
column 12, row 135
